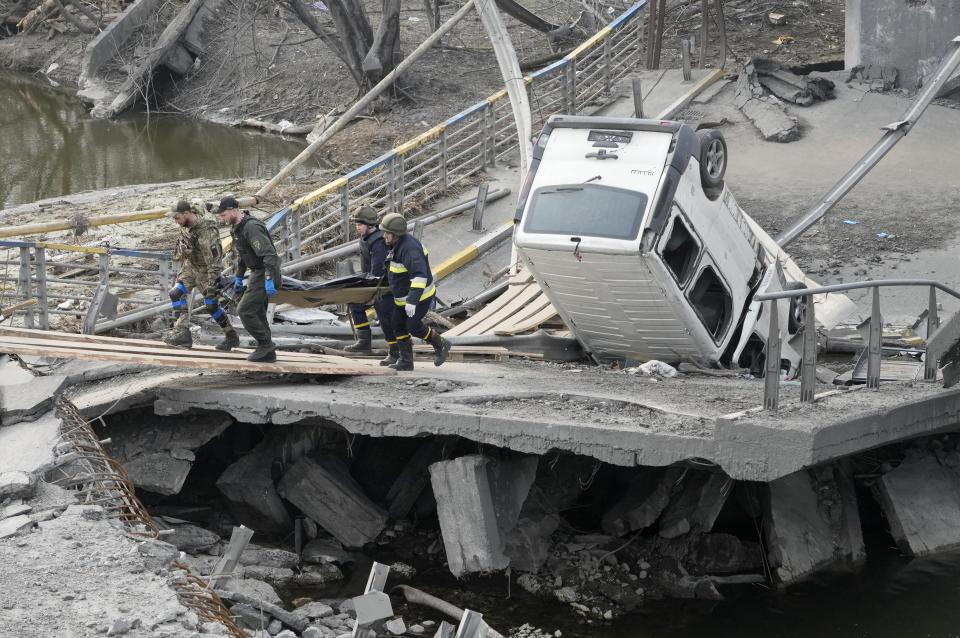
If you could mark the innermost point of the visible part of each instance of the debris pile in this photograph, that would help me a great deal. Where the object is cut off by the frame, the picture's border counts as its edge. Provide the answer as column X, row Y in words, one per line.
column 762, row 88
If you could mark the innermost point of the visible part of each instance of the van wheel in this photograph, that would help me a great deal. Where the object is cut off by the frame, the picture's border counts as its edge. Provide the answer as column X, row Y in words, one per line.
column 797, row 315
column 713, row 159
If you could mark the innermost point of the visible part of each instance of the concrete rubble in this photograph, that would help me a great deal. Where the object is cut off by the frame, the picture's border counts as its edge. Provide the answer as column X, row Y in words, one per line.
column 813, row 523
column 921, row 500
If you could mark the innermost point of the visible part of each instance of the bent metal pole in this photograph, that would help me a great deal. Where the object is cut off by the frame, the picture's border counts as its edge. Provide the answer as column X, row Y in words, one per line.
column 894, row 133
column 365, row 100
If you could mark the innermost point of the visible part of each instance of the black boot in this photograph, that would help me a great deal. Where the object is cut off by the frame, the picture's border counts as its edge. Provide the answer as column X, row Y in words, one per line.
column 393, row 356
column 441, row 347
column 230, row 341
column 179, row 337
column 363, row 342
column 405, row 351
column 265, row 353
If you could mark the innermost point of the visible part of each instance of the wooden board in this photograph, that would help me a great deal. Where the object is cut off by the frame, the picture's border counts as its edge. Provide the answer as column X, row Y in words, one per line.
column 487, row 311
column 88, row 347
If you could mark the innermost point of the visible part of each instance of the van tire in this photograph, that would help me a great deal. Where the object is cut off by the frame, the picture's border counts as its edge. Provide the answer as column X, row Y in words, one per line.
column 797, row 315
column 713, row 161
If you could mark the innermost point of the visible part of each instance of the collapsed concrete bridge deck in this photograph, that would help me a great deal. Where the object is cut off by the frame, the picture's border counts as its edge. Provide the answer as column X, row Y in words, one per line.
column 613, row 417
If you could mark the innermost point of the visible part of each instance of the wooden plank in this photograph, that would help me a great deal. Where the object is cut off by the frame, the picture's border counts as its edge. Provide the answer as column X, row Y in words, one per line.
column 533, row 322
column 182, row 358
column 520, row 318
column 506, row 311
column 146, row 344
column 509, row 295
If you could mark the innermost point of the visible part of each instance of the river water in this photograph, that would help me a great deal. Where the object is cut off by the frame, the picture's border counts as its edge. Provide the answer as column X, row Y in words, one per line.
column 50, row 146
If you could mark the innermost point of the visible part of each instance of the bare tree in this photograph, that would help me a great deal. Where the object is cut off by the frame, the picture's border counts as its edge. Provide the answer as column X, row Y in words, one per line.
column 368, row 55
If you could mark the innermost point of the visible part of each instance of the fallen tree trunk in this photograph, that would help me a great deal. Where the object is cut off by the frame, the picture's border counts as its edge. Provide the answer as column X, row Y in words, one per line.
column 137, row 78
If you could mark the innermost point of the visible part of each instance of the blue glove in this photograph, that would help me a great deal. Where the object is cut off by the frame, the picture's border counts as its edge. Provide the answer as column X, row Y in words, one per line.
column 271, row 290
column 410, row 309
column 238, row 284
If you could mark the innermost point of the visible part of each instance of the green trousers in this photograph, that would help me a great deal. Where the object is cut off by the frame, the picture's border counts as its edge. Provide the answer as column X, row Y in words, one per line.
column 253, row 308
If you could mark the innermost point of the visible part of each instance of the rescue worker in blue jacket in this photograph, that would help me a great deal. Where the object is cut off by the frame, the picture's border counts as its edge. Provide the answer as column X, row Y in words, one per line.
column 373, row 255
column 411, row 282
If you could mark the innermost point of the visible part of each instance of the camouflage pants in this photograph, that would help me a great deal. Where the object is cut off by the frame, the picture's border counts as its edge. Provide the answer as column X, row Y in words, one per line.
column 201, row 281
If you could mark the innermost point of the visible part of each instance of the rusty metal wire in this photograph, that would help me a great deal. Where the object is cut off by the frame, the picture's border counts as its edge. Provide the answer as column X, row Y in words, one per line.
column 195, row 594
column 103, row 481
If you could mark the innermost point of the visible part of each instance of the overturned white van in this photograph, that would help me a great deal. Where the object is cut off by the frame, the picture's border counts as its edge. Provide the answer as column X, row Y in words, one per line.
column 629, row 229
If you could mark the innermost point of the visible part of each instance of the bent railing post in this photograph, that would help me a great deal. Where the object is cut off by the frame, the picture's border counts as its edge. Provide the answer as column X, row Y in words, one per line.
column 41, row 258
column 90, row 321
column 933, row 322
column 771, row 381
column 875, row 344
column 808, row 371
column 26, row 284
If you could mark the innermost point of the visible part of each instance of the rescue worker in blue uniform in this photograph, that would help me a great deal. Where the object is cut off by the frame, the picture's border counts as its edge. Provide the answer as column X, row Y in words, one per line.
column 411, row 282
column 373, row 255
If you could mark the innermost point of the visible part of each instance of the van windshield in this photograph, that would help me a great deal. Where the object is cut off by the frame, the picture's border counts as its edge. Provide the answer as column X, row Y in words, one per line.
column 588, row 210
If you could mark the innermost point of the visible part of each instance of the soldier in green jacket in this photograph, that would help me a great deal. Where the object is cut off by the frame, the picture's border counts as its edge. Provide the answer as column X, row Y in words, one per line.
column 255, row 252
column 201, row 257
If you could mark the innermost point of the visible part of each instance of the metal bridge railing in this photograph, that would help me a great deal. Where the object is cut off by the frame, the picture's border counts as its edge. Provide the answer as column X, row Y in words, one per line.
column 428, row 165
column 37, row 265
column 808, row 368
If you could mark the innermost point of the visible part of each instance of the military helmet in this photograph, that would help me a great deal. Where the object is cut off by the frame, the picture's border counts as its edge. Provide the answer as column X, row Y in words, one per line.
column 394, row 223
column 365, row 215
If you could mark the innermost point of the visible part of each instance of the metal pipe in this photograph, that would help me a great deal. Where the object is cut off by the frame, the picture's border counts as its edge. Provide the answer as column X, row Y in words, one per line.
column 345, row 249
column 895, row 132
column 784, row 294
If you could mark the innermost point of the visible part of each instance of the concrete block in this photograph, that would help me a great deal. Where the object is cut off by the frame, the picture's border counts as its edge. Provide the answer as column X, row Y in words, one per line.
column 27, row 401
column 646, row 498
column 371, row 607
column 510, row 483
column 17, row 484
column 158, row 472
column 256, row 589
column 697, row 505
column 921, row 500
column 813, row 524
column 445, row 630
column 328, row 495
column 15, row 509
column 312, row 610
column 768, row 116
column 248, row 484
column 414, row 477
column 468, row 522
column 157, row 452
column 15, row 526
column 191, row 538
column 321, row 550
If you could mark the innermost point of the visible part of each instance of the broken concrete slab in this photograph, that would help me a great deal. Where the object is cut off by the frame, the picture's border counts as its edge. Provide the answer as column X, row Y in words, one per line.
column 697, row 505
column 28, row 446
column 765, row 112
column 17, row 484
column 27, row 401
column 921, row 500
column 813, row 524
column 158, row 452
column 15, row 525
column 646, row 497
column 248, row 483
column 253, row 588
column 322, row 550
column 327, row 493
column 468, row 521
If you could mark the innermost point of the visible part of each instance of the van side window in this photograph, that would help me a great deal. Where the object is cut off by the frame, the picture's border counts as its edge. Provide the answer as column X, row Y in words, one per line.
column 710, row 299
column 680, row 251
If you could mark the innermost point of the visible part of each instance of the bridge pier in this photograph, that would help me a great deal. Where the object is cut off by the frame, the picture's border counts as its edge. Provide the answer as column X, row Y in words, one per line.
column 908, row 35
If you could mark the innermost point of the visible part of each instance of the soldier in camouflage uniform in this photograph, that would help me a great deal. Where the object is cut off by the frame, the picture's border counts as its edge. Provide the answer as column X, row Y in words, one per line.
column 255, row 251
column 201, row 255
